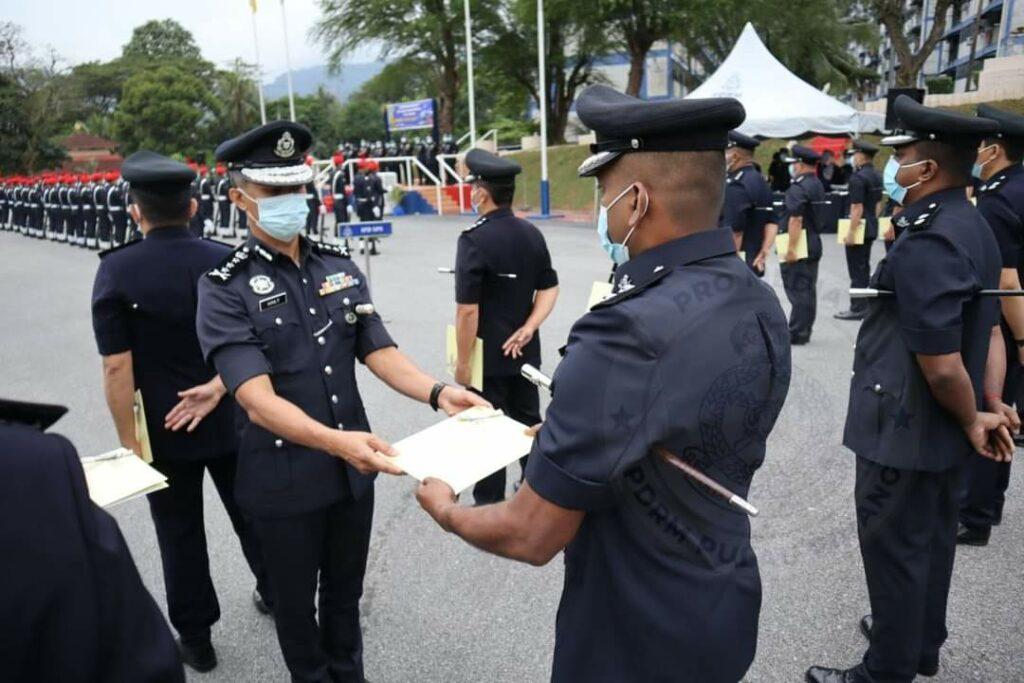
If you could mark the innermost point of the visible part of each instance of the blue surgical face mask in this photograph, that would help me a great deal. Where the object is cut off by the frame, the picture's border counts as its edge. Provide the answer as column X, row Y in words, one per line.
column 977, row 169
column 896, row 191
column 792, row 170
column 619, row 253
column 282, row 217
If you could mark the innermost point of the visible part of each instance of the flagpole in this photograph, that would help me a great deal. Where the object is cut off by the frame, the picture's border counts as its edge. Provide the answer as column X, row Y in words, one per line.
column 469, row 74
column 288, row 62
column 542, row 101
column 259, row 72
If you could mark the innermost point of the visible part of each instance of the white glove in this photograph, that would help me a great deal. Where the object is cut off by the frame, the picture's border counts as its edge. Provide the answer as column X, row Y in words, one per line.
column 376, row 212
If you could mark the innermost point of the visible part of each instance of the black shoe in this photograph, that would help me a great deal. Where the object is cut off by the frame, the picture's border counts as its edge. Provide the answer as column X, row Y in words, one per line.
column 799, row 339
column 866, row 622
column 926, row 667
column 199, row 655
column 823, row 674
column 849, row 315
column 261, row 605
column 977, row 536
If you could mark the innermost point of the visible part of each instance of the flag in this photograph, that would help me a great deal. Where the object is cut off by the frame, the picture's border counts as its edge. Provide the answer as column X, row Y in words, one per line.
column 252, row 4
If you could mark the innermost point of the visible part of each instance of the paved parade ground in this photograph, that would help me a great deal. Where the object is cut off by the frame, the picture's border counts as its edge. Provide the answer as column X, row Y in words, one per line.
column 436, row 610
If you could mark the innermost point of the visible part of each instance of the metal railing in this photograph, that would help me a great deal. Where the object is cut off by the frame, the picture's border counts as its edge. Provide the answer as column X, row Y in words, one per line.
column 409, row 163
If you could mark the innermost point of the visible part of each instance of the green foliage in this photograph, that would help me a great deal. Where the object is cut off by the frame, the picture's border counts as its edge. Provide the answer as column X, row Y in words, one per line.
column 939, row 85
column 237, row 99
column 161, row 110
column 161, row 41
column 361, row 119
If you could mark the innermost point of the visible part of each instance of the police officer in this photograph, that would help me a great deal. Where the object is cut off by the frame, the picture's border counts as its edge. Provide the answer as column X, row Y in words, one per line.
column 1001, row 202
column 143, row 311
column 220, row 194
column 689, row 354
column 117, row 207
column 748, row 209
column 72, row 603
column 505, row 288
column 89, row 210
column 313, row 201
column 865, row 203
column 195, row 223
column 99, row 200
column 206, row 200
column 362, row 192
column 801, row 219
column 915, row 398
column 284, row 319
column 338, row 190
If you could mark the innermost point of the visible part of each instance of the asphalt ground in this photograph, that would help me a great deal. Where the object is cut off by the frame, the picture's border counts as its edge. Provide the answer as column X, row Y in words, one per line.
column 437, row 610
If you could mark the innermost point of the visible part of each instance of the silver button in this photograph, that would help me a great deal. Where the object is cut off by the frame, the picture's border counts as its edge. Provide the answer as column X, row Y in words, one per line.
column 346, row 301
column 321, row 341
column 312, row 311
column 852, row 373
column 277, row 321
column 134, row 306
column 334, row 399
column 328, row 370
column 341, row 426
column 305, row 281
column 878, row 388
column 278, row 443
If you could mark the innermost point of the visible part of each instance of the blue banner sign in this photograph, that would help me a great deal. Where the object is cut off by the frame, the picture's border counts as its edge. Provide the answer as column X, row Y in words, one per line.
column 410, row 115
column 357, row 230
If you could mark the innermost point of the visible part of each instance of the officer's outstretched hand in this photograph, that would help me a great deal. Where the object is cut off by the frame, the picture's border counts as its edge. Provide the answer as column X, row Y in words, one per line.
column 364, row 451
column 453, row 400
column 434, row 496
column 195, row 404
column 990, row 436
column 513, row 346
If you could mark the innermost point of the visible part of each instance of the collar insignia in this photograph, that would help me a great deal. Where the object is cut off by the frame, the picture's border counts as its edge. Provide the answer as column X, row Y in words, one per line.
column 625, row 284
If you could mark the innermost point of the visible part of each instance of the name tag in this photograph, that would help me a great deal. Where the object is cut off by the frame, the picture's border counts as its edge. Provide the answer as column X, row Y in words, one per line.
column 272, row 301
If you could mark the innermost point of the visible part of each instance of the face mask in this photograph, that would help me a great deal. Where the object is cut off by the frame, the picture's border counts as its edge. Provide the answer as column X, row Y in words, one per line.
column 475, row 205
column 977, row 169
column 792, row 170
column 619, row 253
column 896, row 191
column 283, row 216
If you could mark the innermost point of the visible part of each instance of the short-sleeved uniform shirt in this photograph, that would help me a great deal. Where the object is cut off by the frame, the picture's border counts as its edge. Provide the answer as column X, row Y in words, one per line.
column 500, row 264
column 260, row 314
column 866, row 189
column 748, row 208
column 144, row 301
column 690, row 353
column 936, row 267
column 1001, row 202
column 806, row 198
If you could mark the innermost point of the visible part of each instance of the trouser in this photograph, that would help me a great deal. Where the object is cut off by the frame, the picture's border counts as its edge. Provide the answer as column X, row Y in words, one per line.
column 800, row 281
column 120, row 228
column 906, row 523
column 332, row 542
column 984, row 491
column 518, row 399
column 103, row 229
column 177, row 513
column 90, row 229
column 858, row 265
column 223, row 218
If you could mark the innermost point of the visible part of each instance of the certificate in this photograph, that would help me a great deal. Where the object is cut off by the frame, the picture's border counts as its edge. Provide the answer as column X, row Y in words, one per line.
column 844, row 230
column 598, row 292
column 782, row 245
column 118, row 476
column 451, row 355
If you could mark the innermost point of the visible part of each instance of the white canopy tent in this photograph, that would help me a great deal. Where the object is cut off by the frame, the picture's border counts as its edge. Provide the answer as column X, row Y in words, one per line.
column 779, row 104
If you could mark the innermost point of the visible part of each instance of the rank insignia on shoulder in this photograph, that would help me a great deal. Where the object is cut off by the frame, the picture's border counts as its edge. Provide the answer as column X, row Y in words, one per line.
column 799, row 179
column 925, row 219
column 337, row 282
column 901, row 221
column 331, row 249
column 111, row 250
column 480, row 221
column 226, row 270
column 994, row 185
column 625, row 284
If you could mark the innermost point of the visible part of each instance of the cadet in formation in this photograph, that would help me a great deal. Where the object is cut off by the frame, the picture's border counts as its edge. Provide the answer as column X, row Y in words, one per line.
column 748, row 209
column 690, row 354
column 1001, row 202
column 143, row 311
column 865, row 204
column 804, row 201
column 919, row 374
column 283, row 320
column 505, row 288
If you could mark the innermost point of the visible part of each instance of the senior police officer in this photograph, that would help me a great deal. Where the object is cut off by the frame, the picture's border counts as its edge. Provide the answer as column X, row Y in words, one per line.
column 1001, row 202
column 691, row 353
column 804, row 201
column 284, row 319
column 505, row 288
column 748, row 209
column 865, row 202
column 144, row 309
column 72, row 604
column 915, row 398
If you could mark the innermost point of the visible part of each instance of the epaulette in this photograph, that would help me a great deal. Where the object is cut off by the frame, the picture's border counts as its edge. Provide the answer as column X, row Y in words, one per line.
column 111, row 250
column 226, row 244
column 331, row 249
column 799, row 179
column 924, row 220
column 480, row 221
column 626, row 289
column 992, row 186
column 223, row 273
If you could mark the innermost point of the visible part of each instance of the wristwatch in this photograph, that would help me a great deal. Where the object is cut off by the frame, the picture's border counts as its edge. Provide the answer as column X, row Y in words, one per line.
column 435, row 393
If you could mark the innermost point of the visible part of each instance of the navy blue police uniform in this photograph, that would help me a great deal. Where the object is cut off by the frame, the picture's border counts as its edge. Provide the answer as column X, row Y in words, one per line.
column 910, row 451
column 340, row 198
column 261, row 314
column 144, row 301
column 72, row 604
column 865, row 189
column 804, row 198
column 748, row 205
column 500, row 263
column 691, row 353
column 1001, row 202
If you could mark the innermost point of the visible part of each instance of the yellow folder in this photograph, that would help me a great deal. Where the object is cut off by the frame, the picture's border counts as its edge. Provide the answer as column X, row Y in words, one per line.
column 844, row 229
column 451, row 355
column 118, row 476
column 598, row 291
column 141, row 430
column 782, row 245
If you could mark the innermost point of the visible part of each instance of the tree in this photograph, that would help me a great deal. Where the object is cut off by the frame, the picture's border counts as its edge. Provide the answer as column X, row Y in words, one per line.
column 362, row 119
column 641, row 23
column 161, row 41
column 235, row 91
column 889, row 13
column 426, row 30
column 162, row 110
column 320, row 112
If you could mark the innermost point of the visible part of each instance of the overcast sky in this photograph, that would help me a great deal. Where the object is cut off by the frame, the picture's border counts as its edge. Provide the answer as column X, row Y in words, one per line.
column 82, row 31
